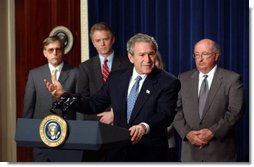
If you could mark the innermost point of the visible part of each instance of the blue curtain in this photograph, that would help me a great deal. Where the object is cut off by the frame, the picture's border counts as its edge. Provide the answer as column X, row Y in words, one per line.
column 177, row 25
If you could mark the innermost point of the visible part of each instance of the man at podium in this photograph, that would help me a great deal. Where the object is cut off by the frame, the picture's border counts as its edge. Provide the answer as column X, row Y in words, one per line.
column 143, row 99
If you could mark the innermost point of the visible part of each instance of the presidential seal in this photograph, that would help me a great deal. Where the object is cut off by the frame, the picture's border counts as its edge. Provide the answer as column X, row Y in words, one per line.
column 65, row 34
column 53, row 130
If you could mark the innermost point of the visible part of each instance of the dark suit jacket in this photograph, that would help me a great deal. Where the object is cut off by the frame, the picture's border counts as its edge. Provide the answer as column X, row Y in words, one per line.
column 155, row 105
column 90, row 77
column 222, row 111
column 90, row 80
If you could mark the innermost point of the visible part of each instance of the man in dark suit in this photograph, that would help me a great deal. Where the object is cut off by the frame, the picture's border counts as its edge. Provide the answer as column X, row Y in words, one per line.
column 38, row 100
column 91, row 71
column 153, row 110
column 91, row 75
column 206, row 117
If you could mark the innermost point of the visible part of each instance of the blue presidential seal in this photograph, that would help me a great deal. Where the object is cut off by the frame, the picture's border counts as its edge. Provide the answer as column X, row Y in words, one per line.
column 53, row 130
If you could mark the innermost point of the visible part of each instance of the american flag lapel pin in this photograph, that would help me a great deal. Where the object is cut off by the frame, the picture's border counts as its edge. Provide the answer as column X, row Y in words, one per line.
column 147, row 91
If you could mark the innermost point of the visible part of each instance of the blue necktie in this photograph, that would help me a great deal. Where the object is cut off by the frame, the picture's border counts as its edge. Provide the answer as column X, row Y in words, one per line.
column 202, row 96
column 132, row 97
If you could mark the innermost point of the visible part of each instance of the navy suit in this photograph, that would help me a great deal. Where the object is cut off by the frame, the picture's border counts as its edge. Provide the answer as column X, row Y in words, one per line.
column 89, row 82
column 90, row 75
column 155, row 106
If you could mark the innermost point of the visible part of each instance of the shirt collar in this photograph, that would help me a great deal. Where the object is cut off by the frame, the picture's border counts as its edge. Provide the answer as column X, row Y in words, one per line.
column 110, row 58
column 59, row 67
column 135, row 74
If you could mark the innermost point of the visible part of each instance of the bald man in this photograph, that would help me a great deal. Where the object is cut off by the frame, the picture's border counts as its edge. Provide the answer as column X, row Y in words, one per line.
column 208, row 112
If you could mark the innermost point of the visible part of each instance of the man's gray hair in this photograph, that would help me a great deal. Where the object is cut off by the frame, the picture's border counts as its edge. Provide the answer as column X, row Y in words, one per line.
column 216, row 48
column 140, row 38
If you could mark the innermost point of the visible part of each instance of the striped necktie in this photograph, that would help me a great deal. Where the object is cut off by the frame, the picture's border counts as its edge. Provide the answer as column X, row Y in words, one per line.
column 105, row 70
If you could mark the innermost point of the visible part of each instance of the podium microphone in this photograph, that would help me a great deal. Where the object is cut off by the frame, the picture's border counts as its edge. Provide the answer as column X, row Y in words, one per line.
column 59, row 103
column 70, row 101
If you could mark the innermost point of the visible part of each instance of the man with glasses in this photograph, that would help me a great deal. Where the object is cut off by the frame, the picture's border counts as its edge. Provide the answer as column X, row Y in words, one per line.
column 37, row 99
column 210, row 103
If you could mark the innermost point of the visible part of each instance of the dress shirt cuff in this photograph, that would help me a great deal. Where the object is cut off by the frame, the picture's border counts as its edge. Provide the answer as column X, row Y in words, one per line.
column 147, row 127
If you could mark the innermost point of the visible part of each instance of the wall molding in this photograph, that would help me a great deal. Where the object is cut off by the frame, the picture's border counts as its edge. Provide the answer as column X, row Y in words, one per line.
column 8, row 82
column 84, row 30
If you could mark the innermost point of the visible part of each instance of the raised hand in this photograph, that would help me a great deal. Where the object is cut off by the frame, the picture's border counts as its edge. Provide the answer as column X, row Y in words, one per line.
column 55, row 88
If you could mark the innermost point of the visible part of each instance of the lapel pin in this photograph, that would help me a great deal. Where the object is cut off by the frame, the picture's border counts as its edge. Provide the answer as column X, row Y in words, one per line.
column 147, row 91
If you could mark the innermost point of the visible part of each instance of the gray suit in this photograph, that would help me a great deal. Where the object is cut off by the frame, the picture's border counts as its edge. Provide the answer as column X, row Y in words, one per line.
column 38, row 100
column 223, row 109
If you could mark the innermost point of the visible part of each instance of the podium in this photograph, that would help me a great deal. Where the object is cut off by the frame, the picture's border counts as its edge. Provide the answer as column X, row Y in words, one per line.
column 82, row 135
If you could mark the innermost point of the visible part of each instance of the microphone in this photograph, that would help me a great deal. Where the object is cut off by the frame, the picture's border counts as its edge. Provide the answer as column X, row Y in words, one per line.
column 59, row 103
column 70, row 101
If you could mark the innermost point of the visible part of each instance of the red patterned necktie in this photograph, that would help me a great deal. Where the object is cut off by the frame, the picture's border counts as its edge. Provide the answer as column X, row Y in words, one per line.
column 105, row 71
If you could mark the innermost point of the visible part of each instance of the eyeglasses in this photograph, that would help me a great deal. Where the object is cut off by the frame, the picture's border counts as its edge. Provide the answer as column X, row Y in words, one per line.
column 51, row 50
column 203, row 55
